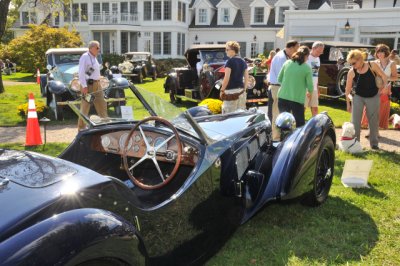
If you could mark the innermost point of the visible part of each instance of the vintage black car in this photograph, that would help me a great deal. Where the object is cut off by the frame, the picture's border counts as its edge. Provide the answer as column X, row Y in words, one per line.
column 334, row 68
column 202, row 77
column 61, row 83
column 139, row 189
column 138, row 66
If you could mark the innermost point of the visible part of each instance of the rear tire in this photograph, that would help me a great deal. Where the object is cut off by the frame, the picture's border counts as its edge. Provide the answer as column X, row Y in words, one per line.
column 323, row 174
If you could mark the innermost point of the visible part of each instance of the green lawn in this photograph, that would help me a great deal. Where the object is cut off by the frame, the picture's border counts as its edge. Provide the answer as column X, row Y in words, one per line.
column 11, row 98
column 353, row 227
column 24, row 77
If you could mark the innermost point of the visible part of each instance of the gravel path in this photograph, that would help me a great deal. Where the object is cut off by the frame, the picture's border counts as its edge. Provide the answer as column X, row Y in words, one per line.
column 389, row 140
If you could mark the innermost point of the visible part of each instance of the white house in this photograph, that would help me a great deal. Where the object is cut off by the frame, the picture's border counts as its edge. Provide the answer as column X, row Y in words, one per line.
column 167, row 27
column 368, row 21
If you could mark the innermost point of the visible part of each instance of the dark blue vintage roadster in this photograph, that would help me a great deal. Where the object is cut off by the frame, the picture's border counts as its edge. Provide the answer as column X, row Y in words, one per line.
column 156, row 185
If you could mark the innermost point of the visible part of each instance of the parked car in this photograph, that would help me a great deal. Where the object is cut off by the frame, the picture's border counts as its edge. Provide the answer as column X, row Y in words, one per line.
column 139, row 189
column 334, row 67
column 61, row 82
column 138, row 66
column 202, row 77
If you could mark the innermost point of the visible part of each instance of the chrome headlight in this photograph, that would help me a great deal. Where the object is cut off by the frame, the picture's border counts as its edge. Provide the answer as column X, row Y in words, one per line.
column 252, row 82
column 104, row 83
column 75, row 85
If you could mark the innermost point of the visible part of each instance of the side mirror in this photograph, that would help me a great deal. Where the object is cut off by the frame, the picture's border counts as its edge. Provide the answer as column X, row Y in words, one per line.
column 49, row 67
column 285, row 123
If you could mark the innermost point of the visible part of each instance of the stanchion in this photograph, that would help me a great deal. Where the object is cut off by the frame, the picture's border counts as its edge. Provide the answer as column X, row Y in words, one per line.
column 44, row 121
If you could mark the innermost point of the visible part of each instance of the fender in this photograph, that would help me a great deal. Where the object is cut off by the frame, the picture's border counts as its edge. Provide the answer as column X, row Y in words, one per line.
column 291, row 172
column 170, row 81
column 74, row 237
column 43, row 80
column 57, row 87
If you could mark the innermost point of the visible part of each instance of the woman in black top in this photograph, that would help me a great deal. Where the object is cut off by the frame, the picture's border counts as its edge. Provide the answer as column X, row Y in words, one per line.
column 235, row 80
column 366, row 94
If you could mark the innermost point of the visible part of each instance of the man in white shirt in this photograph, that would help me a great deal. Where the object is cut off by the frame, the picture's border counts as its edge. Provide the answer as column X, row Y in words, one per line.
column 89, row 77
column 276, row 66
column 314, row 62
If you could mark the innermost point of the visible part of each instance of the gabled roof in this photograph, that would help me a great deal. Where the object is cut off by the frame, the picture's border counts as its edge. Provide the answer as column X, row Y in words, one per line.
column 243, row 16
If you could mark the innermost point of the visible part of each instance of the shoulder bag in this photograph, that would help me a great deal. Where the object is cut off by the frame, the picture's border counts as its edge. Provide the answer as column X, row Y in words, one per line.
column 378, row 80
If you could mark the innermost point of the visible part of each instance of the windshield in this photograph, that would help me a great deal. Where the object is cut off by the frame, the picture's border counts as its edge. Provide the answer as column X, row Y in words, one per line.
column 124, row 106
column 67, row 58
column 213, row 57
column 136, row 57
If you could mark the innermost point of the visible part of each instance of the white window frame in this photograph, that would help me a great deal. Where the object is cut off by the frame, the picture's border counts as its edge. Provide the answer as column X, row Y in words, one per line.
column 255, row 13
column 225, row 17
column 203, row 17
column 281, row 20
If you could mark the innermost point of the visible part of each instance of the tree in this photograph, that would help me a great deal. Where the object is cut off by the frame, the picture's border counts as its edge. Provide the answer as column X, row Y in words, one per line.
column 29, row 49
column 4, row 10
column 4, row 5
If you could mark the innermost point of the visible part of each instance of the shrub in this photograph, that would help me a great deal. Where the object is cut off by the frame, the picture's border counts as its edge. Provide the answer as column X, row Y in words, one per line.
column 41, row 109
column 394, row 108
column 214, row 105
column 28, row 51
column 165, row 65
column 114, row 59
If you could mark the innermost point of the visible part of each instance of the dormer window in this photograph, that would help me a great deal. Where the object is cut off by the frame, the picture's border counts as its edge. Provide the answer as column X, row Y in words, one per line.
column 203, row 15
column 258, row 15
column 225, row 15
column 281, row 16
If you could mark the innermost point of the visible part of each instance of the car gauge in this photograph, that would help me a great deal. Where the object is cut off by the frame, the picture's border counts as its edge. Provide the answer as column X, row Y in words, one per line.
column 105, row 141
column 122, row 142
column 158, row 141
column 149, row 139
column 137, row 138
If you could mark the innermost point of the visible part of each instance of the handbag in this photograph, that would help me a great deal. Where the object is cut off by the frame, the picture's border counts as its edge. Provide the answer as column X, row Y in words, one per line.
column 230, row 96
column 378, row 80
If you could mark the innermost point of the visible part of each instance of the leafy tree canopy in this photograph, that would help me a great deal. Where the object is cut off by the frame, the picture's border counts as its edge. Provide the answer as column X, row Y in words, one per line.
column 28, row 50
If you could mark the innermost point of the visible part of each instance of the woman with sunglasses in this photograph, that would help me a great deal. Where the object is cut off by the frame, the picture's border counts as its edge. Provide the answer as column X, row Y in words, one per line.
column 366, row 94
column 234, row 84
column 382, row 53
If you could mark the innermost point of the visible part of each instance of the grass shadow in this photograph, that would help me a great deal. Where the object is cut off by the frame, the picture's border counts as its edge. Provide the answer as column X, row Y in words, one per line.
column 337, row 232
column 370, row 192
column 19, row 77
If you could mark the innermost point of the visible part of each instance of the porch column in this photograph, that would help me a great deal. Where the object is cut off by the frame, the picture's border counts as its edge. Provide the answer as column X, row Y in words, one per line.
column 118, row 42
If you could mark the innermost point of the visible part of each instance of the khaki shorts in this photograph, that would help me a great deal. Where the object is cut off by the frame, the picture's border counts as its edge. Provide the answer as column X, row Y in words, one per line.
column 313, row 102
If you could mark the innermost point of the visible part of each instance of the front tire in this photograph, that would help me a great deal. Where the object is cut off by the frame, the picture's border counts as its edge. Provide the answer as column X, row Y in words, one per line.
column 323, row 173
column 342, row 80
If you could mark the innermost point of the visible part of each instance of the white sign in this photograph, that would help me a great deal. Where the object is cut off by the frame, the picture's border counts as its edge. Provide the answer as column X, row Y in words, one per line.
column 127, row 112
column 356, row 172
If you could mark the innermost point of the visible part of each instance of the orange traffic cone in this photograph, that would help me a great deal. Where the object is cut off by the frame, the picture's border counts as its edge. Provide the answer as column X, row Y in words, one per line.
column 38, row 76
column 33, row 137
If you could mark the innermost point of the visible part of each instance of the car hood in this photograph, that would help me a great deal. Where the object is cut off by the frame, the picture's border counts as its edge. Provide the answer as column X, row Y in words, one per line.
column 29, row 182
column 65, row 73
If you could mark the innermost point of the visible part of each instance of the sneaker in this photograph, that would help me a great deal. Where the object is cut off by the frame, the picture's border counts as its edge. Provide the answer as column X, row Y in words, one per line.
column 375, row 147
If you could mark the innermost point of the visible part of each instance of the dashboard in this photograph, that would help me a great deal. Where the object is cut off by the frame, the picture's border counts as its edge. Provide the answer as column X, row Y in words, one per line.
column 114, row 142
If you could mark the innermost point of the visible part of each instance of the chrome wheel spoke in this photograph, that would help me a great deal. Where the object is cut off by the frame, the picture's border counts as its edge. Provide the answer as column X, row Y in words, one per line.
column 158, row 168
column 138, row 162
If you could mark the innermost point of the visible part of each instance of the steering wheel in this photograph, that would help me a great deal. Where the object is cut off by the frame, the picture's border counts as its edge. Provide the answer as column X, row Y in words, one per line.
column 151, row 154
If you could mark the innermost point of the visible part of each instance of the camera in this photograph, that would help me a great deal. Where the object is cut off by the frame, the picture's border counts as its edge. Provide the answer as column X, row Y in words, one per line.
column 89, row 98
column 89, row 71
